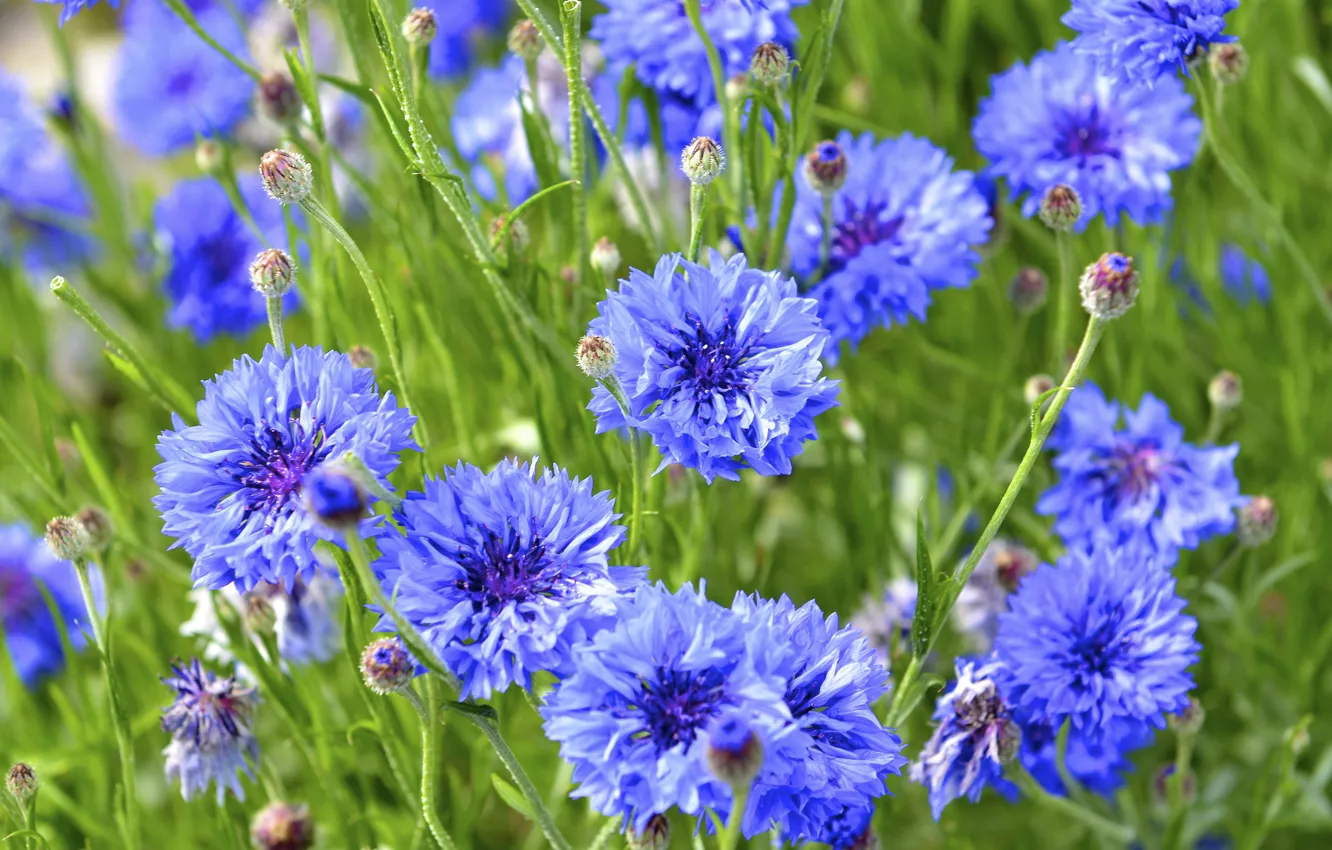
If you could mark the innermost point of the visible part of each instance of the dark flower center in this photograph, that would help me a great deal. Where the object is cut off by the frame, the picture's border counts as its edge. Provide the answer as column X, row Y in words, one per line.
column 1099, row 650
column 224, row 252
column 1085, row 134
column 1136, row 470
column 711, row 360
column 181, row 84
column 505, row 568
column 18, row 594
column 270, row 476
column 979, row 710
column 677, row 704
column 858, row 229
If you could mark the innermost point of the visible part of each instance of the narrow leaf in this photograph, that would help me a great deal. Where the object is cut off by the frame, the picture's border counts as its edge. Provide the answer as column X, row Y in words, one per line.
column 922, row 625
column 512, row 796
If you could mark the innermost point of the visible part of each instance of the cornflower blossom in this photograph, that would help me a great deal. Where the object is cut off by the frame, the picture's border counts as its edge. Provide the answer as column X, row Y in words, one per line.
column 904, row 225
column 31, row 635
column 231, row 485
column 209, row 724
column 305, row 624
column 720, row 366
column 885, row 619
column 974, row 738
column 1057, row 120
column 1142, row 41
column 1141, row 479
column 1244, row 278
column 503, row 573
column 210, row 248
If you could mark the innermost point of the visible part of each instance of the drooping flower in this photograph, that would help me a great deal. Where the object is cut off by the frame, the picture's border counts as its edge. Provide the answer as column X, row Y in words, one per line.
column 985, row 595
column 172, row 87
column 1100, row 640
column 231, row 484
column 209, row 724
column 1142, row 479
column 720, row 366
column 833, row 755
column 1244, row 277
column 1141, row 41
column 504, row 573
column 885, row 619
column 904, row 226
column 305, row 622
column 31, row 634
column 974, row 738
column 633, row 716
column 1056, row 120
column 211, row 248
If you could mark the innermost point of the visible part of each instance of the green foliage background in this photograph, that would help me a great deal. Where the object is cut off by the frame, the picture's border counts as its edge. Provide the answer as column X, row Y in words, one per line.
column 945, row 394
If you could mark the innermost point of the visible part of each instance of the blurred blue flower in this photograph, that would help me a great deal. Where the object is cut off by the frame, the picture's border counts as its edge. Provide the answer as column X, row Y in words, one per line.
column 211, row 248
column 171, row 87
column 307, row 618
column 459, row 24
column 70, row 8
column 231, row 484
column 833, row 755
column 31, row 634
column 1096, row 759
column 1140, row 41
column 503, row 573
column 633, row 716
column 209, row 724
column 1100, row 640
column 974, row 738
column 885, row 619
column 1056, row 120
column 1187, row 285
column 1140, row 480
column 1244, row 277
column 720, row 366
column 903, row 227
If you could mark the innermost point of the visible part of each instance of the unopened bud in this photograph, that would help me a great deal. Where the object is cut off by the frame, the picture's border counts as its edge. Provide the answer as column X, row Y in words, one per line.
column 1225, row 392
column 656, row 835
column 733, row 752
column 22, row 782
column 1037, row 386
column 1229, row 63
column 702, row 160
column 826, row 167
column 1109, row 286
column 525, row 40
column 1061, row 207
column 1189, row 720
column 362, row 357
column 259, row 615
column 386, row 667
column 769, row 64
column 97, row 525
column 210, row 156
column 1012, row 563
column 280, row 826
column 287, row 177
column 605, row 257
column 737, row 87
column 67, row 538
column 272, row 272
column 1027, row 290
column 278, row 98
column 596, row 356
column 1257, row 521
column 419, row 26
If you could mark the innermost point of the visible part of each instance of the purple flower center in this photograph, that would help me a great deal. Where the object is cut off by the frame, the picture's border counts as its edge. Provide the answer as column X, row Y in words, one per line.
column 18, row 594
column 1137, row 468
column 678, row 703
column 270, row 477
column 1099, row 651
column 711, row 360
column 858, row 229
column 504, row 568
column 225, row 251
column 206, row 707
column 1085, row 135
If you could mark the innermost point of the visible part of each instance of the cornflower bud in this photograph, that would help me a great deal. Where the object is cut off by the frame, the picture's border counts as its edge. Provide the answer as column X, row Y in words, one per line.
column 1225, row 392
column 1229, row 63
column 525, row 40
column 362, row 357
column 97, row 525
column 278, row 98
column 1188, row 721
column 1061, row 207
column 825, row 167
column 656, row 835
column 733, row 752
column 1257, row 521
column 1109, row 286
column 280, row 826
column 334, row 496
column 769, row 64
column 67, row 538
column 259, row 615
column 1037, row 386
column 419, row 27
column 287, row 177
column 605, row 257
column 596, row 357
column 1162, row 780
column 210, row 156
column 22, row 782
column 702, row 160
column 386, row 667
column 272, row 272
column 1027, row 290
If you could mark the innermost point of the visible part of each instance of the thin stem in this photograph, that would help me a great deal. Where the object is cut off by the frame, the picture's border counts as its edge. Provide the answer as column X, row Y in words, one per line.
column 1215, row 421
column 1174, row 834
column 698, row 213
column 1119, row 833
column 429, row 760
column 301, row 15
column 613, row 386
column 730, row 134
column 275, row 322
column 1064, row 297
column 603, row 837
column 825, row 240
column 520, row 778
column 730, row 834
column 573, row 67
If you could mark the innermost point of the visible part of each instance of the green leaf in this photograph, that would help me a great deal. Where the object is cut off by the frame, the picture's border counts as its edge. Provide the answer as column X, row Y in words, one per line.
column 922, row 625
column 304, row 84
column 512, row 796
column 473, row 709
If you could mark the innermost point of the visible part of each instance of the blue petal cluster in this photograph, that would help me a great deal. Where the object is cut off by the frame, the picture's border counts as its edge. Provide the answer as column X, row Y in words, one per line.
column 974, row 737
column 504, row 572
column 210, row 248
column 720, row 365
column 171, row 87
column 231, row 484
column 1096, row 759
column 31, row 634
column 1244, row 277
column 459, row 24
column 209, row 724
column 1141, row 41
column 1101, row 641
column 1058, row 120
column 903, row 227
column 1141, row 480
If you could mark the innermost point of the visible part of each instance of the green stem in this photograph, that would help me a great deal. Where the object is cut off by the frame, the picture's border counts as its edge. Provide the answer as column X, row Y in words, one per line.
column 698, row 213
column 729, row 837
column 1065, row 296
column 275, row 323
column 825, row 240
column 573, row 66
column 186, row 15
column 520, row 778
column 429, row 760
column 730, row 133
column 301, row 15
column 1118, row 833
column 1174, row 834
column 1215, row 421
column 603, row 837
column 613, row 386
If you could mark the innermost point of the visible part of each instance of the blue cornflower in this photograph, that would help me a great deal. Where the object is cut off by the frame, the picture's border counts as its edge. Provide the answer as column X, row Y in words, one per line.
column 459, row 24
column 1141, row 41
column 720, row 366
column 305, row 623
column 209, row 724
column 1096, row 758
column 1057, row 121
column 31, row 634
column 833, row 755
column 1143, row 479
column 903, row 226
column 1187, row 285
column 1100, row 640
column 211, row 248
column 885, row 619
column 70, row 8
column 171, row 87
column 231, row 484
column 1244, row 277
column 974, row 738
column 504, row 572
